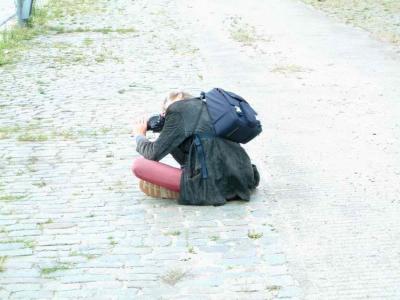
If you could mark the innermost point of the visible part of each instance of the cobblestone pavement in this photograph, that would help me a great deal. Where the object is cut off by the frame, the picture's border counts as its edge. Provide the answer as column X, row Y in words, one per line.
column 73, row 223
column 321, row 226
column 329, row 97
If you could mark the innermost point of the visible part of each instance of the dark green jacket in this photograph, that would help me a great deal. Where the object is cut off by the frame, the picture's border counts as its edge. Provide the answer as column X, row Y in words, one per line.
column 230, row 172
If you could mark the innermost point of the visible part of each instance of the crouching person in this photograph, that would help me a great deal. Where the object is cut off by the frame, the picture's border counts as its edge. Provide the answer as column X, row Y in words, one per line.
column 213, row 169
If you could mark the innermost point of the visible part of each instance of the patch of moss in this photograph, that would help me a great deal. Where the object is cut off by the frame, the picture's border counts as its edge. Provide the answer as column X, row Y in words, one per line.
column 60, row 267
column 254, row 235
column 9, row 198
column 30, row 137
column 2, row 263
column 6, row 131
column 242, row 32
column 14, row 40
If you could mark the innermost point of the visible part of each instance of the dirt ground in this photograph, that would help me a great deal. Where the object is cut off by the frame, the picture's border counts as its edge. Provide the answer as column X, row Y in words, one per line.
column 381, row 18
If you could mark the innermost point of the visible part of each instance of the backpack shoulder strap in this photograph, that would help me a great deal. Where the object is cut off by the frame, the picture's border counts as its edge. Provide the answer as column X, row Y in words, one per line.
column 197, row 142
column 198, row 116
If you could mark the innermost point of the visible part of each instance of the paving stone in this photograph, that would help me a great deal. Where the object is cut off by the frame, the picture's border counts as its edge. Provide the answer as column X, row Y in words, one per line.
column 4, row 294
column 32, row 295
column 21, row 287
column 74, row 294
column 84, row 278
column 11, row 246
column 16, row 252
column 276, row 259
column 280, row 280
column 20, row 273
column 290, row 292
column 7, row 222
column 57, row 286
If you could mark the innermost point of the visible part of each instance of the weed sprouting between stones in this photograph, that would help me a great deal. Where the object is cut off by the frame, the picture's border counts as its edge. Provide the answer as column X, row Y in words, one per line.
column 31, row 137
column 242, row 32
column 9, row 198
column 32, row 133
column 41, row 224
column 27, row 243
column 273, row 288
column 173, row 233
column 290, row 68
column 378, row 17
column 254, row 235
column 40, row 184
column 88, row 256
column 13, row 41
column 2, row 263
column 191, row 250
column 112, row 241
column 214, row 237
column 50, row 270
column 6, row 131
column 173, row 276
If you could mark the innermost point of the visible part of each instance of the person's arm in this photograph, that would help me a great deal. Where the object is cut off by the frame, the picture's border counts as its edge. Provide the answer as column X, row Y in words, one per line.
column 178, row 155
column 172, row 135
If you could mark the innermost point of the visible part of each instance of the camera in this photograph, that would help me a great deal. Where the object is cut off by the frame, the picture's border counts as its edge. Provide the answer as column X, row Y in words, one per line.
column 155, row 123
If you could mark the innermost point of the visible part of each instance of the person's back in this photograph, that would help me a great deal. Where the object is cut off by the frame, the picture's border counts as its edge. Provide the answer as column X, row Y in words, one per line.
column 214, row 169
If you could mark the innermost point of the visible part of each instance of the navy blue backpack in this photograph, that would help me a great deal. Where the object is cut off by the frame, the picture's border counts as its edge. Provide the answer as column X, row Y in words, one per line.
column 233, row 118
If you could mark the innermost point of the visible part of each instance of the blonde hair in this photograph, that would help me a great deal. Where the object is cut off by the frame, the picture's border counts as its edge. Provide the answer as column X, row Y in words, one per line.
column 175, row 96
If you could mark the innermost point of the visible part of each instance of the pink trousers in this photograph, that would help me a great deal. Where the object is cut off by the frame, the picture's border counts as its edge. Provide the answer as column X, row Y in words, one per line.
column 157, row 173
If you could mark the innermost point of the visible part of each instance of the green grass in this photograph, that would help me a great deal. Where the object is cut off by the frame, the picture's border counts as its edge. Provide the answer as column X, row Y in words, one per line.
column 48, row 271
column 104, row 30
column 378, row 17
column 9, row 198
column 31, row 137
column 88, row 256
column 42, row 224
column 6, row 131
column 173, row 233
column 2, row 263
column 14, row 40
column 242, row 32
column 27, row 243
column 174, row 276
column 288, row 69
column 65, row 134
column 112, row 241
column 61, row 45
column 254, row 235
column 191, row 250
column 214, row 238
column 87, row 41
column 11, row 42
column 32, row 133
column 30, row 244
column 273, row 288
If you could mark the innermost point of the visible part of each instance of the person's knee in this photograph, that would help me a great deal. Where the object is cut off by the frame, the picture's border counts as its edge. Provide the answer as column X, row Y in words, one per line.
column 138, row 166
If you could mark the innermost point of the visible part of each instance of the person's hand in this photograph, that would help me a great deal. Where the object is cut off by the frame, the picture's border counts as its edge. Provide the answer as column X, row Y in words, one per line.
column 140, row 127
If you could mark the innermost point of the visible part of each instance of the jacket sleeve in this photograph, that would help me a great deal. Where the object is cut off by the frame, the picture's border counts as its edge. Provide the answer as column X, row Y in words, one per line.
column 178, row 155
column 172, row 135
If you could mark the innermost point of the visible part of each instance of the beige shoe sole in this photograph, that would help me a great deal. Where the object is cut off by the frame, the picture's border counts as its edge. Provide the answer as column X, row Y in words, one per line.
column 157, row 191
